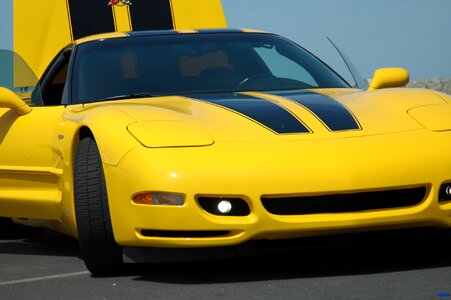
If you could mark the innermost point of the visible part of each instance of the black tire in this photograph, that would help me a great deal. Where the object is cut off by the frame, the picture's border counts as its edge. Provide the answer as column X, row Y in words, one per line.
column 99, row 250
column 12, row 231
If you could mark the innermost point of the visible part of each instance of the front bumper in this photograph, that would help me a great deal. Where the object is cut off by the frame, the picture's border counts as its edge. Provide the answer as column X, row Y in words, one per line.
column 249, row 170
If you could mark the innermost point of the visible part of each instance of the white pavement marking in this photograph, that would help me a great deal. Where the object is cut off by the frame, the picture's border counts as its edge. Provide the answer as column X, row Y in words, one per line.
column 27, row 280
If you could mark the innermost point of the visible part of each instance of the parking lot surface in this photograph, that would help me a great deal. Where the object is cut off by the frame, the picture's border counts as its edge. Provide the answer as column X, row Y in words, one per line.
column 362, row 267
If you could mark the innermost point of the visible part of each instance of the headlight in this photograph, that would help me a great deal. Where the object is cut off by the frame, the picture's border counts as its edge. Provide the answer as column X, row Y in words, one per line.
column 160, row 134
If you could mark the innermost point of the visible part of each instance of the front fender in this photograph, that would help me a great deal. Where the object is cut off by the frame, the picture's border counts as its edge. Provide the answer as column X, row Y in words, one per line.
column 108, row 125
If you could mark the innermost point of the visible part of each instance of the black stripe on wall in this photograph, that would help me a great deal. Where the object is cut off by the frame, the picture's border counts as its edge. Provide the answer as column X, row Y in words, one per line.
column 332, row 113
column 259, row 110
column 151, row 15
column 90, row 17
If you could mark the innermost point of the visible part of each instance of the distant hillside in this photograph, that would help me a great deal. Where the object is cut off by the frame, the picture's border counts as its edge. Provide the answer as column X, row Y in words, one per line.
column 438, row 84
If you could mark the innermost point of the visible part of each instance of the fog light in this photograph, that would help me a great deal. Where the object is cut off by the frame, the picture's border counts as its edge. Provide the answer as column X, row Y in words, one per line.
column 445, row 193
column 159, row 198
column 224, row 206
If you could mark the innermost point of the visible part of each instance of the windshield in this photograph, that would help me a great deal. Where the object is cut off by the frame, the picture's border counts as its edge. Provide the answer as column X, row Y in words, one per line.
column 17, row 76
column 181, row 64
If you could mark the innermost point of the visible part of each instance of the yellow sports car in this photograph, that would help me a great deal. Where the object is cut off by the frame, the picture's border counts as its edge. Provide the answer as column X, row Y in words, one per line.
column 190, row 139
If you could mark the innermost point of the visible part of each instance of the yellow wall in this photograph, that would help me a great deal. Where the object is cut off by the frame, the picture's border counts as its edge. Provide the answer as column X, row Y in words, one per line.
column 198, row 14
column 41, row 29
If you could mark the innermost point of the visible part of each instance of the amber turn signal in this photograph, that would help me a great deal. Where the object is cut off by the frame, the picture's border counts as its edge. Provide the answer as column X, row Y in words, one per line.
column 159, row 198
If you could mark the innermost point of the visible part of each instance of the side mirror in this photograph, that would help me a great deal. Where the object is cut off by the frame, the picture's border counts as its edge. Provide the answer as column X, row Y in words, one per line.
column 8, row 99
column 389, row 77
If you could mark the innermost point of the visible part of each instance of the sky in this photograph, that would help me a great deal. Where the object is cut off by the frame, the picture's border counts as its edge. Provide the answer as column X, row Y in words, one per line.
column 6, row 18
column 413, row 34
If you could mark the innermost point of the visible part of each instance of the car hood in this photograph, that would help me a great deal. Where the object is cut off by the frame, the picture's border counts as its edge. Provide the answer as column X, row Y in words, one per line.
column 306, row 114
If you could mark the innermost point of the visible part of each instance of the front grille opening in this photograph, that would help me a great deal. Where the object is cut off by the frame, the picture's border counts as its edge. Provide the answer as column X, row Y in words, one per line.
column 184, row 234
column 342, row 203
column 238, row 207
column 445, row 193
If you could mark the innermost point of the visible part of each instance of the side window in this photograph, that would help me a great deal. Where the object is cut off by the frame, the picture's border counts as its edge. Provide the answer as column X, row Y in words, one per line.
column 53, row 82
column 284, row 67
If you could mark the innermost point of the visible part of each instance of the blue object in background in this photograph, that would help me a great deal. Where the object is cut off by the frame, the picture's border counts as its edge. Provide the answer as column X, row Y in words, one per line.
column 443, row 295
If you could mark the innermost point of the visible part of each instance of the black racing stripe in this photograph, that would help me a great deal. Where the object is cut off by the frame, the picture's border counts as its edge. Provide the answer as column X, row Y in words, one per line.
column 331, row 112
column 90, row 17
column 262, row 111
column 151, row 15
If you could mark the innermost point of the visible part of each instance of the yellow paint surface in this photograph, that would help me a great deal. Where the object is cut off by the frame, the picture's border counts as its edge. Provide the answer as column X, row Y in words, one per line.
column 122, row 18
column 41, row 29
column 198, row 14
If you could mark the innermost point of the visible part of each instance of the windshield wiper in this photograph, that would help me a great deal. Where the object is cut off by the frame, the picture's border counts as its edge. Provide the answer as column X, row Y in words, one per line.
column 128, row 96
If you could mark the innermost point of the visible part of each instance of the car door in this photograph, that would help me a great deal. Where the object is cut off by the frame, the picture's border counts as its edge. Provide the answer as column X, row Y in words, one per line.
column 31, row 166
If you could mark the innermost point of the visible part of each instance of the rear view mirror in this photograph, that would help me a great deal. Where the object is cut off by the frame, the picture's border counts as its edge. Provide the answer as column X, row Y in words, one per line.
column 8, row 99
column 389, row 77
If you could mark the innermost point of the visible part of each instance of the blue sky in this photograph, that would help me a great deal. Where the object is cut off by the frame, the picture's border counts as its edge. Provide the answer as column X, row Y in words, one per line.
column 414, row 34
column 6, row 20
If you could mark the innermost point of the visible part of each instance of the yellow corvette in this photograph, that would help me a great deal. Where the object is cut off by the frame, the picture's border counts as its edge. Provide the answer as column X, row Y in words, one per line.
column 189, row 139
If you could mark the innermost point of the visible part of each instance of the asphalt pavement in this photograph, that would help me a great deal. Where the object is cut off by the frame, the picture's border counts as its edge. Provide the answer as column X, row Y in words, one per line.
column 359, row 267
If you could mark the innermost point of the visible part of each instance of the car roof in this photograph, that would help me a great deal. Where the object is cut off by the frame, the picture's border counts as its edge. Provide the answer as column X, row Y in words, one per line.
column 111, row 35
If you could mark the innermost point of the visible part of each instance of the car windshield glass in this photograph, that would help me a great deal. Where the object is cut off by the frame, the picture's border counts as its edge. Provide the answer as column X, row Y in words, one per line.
column 181, row 64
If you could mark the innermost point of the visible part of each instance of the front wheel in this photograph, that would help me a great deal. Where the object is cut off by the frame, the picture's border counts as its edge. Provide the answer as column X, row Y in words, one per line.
column 100, row 252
